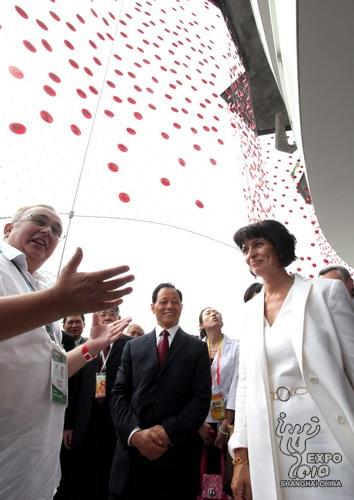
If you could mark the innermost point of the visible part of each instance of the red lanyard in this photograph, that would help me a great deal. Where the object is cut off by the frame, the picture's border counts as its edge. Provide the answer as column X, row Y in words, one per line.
column 218, row 360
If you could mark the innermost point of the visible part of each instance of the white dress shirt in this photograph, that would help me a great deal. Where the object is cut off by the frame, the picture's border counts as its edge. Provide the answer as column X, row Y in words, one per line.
column 31, row 425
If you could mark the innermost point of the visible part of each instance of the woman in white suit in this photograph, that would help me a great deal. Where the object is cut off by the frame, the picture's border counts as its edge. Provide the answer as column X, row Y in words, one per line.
column 294, row 425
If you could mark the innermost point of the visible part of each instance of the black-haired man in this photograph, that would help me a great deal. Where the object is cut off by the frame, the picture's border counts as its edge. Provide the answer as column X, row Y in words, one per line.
column 160, row 398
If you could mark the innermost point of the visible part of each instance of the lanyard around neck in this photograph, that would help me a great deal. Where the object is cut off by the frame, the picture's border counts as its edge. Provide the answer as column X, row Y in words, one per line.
column 218, row 360
column 48, row 327
column 104, row 359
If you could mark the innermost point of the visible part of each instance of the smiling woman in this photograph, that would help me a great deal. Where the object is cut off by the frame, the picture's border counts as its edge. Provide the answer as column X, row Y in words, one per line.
column 295, row 391
column 273, row 232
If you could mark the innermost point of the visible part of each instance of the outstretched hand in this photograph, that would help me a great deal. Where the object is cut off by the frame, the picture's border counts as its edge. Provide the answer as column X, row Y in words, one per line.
column 103, row 335
column 93, row 291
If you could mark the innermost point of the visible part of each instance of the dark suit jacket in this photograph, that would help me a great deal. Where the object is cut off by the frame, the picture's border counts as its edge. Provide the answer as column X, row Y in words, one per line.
column 67, row 341
column 177, row 396
column 83, row 396
column 69, row 344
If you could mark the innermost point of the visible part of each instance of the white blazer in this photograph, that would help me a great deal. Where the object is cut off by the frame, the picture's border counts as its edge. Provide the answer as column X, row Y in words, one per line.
column 228, row 373
column 322, row 335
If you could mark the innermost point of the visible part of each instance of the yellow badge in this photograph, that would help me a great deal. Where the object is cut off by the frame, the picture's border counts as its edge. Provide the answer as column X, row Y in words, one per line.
column 217, row 406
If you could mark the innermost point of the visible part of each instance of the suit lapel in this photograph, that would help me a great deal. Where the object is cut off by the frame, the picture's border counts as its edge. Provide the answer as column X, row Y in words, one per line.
column 299, row 297
column 255, row 328
column 149, row 343
column 301, row 290
column 176, row 345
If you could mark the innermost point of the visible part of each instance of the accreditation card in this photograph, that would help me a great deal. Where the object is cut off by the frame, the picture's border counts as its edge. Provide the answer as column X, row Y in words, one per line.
column 59, row 378
column 100, row 385
column 217, row 406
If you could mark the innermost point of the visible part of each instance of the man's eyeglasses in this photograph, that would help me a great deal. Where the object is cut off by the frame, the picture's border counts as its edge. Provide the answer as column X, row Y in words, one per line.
column 108, row 313
column 44, row 221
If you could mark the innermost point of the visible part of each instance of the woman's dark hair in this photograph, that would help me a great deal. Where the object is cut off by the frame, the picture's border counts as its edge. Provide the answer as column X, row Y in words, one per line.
column 202, row 331
column 251, row 291
column 273, row 231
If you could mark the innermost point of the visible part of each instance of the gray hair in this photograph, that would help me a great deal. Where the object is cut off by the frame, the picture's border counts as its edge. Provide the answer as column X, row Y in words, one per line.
column 18, row 214
column 343, row 271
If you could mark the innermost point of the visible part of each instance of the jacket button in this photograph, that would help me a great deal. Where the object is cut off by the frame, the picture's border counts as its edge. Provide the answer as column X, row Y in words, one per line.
column 314, row 380
column 340, row 419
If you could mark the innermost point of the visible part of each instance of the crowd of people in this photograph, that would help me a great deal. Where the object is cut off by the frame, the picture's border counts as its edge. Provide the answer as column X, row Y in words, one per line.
column 126, row 414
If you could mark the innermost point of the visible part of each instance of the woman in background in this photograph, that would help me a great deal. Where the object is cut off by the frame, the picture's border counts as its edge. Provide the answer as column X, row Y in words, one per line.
column 223, row 353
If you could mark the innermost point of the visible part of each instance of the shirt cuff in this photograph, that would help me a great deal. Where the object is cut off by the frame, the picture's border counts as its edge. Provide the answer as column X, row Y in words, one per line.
column 136, row 429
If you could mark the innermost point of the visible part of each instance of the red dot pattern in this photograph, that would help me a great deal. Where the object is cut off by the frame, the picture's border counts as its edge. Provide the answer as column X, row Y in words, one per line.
column 86, row 113
column 17, row 128
column 156, row 96
column 16, row 72
column 113, row 167
column 21, row 12
column 29, row 46
column 49, row 90
column 47, row 117
column 75, row 129
column 290, row 208
column 124, row 197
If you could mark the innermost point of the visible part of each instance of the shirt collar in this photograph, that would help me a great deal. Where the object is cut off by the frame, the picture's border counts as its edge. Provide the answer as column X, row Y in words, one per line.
column 15, row 255
column 172, row 331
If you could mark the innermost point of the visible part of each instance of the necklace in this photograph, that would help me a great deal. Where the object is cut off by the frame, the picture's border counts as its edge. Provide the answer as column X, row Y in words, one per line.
column 215, row 349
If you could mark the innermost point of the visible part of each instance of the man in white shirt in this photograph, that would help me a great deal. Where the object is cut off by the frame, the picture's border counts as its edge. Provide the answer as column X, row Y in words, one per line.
column 33, row 370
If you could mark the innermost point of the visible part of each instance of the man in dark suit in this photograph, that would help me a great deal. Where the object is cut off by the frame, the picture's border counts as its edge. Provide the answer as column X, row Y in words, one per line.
column 73, row 326
column 67, row 341
column 160, row 398
column 92, row 438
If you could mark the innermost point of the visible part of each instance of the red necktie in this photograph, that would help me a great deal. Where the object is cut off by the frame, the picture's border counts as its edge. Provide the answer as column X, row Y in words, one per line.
column 163, row 346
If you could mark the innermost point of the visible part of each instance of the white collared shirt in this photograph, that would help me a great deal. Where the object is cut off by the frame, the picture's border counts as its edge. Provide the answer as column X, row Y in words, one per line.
column 30, row 424
column 172, row 332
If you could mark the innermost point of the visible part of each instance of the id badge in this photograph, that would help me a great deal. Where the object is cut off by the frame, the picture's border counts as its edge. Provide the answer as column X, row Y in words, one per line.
column 59, row 379
column 217, row 406
column 100, row 385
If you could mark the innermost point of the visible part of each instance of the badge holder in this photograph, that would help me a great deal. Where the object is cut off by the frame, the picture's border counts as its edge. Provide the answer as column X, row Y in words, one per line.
column 101, row 382
column 59, row 379
column 217, row 406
